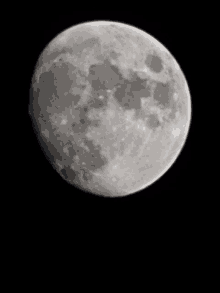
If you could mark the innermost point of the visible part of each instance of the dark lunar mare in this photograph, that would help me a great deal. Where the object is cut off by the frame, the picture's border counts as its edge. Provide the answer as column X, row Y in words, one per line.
column 129, row 91
column 154, row 62
column 48, row 97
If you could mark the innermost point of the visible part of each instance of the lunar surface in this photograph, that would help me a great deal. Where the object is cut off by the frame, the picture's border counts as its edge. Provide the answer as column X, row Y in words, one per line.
column 111, row 106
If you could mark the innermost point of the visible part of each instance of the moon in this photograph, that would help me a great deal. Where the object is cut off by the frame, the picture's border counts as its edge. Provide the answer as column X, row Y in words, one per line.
column 112, row 107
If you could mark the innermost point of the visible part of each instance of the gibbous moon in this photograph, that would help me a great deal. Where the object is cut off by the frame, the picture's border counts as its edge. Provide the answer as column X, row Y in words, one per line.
column 112, row 107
